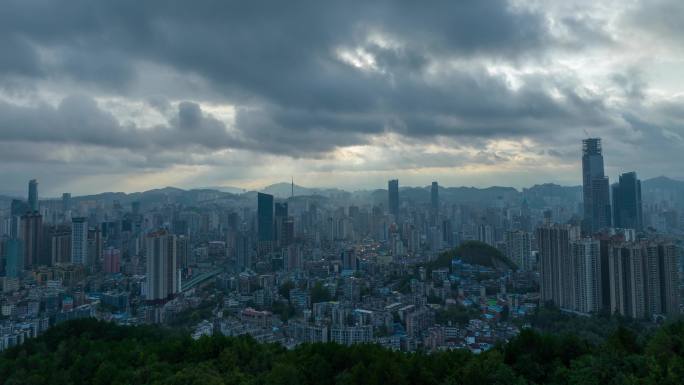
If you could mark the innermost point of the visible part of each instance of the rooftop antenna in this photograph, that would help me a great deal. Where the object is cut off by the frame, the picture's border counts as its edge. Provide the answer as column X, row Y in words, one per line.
column 292, row 187
column 586, row 132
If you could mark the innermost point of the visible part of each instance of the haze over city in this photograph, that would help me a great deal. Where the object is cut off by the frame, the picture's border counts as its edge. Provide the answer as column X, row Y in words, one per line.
column 123, row 96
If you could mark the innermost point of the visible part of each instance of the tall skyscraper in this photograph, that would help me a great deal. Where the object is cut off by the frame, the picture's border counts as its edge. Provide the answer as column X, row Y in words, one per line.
column 280, row 218
column 627, row 212
column 434, row 197
column 393, row 197
column 519, row 249
column 161, row 273
column 95, row 247
column 586, row 276
column 60, row 245
column 287, row 233
column 13, row 251
column 281, row 210
column 644, row 279
column 627, row 278
column 32, row 236
column 670, row 279
column 265, row 217
column 448, row 233
column 17, row 209
column 596, row 189
column 182, row 251
column 242, row 251
column 555, row 263
column 79, row 241
column 66, row 202
column 33, row 195
column 112, row 261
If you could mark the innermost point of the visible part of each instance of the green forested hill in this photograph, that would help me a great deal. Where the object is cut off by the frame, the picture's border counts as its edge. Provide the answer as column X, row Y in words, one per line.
column 474, row 253
column 92, row 352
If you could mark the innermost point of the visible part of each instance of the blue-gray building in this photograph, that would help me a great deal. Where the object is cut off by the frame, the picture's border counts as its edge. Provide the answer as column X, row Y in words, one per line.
column 627, row 208
column 265, row 217
column 393, row 196
column 14, row 257
column 595, row 188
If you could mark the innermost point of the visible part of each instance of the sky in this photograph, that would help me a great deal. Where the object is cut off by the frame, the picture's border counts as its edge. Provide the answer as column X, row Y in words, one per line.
column 130, row 95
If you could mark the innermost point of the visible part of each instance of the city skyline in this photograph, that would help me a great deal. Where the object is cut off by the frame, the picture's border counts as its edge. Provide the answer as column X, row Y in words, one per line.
column 118, row 97
column 408, row 269
column 341, row 191
column 56, row 195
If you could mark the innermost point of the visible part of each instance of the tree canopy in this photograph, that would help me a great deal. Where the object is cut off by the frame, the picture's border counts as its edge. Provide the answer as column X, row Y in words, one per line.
column 473, row 253
column 95, row 352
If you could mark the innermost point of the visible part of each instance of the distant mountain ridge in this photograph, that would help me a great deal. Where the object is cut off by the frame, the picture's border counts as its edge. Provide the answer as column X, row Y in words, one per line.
column 663, row 188
column 284, row 190
column 663, row 182
column 652, row 189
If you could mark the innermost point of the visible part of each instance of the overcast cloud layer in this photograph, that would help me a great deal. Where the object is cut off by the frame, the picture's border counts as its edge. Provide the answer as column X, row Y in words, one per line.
column 130, row 95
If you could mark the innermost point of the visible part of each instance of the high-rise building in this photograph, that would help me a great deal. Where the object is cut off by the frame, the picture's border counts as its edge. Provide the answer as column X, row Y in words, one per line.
column 393, row 197
column 182, row 251
column 292, row 258
column 32, row 236
column 33, row 195
column 519, row 249
column 79, row 241
column 287, row 233
column 627, row 280
column 242, row 251
column 595, row 188
column 586, row 276
column 349, row 261
column 60, row 245
column 18, row 208
column 627, row 211
column 281, row 210
column 555, row 263
column 265, row 217
column 280, row 218
column 485, row 233
column 434, row 197
column 66, row 202
column 662, row 278
column 644, row 279
column 13, row 251
column 670, row 279
column 95, row 247
column 161, row 273
column 448, row 233
column 112, row 261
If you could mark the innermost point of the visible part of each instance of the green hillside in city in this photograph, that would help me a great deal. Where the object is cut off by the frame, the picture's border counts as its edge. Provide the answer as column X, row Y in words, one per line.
column 474, row 253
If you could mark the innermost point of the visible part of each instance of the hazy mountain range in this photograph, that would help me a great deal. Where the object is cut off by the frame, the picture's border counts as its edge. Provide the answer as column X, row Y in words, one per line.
column 536, row 196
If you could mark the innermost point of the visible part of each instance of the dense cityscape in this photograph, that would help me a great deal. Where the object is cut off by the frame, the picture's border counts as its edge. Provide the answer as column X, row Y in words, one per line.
column 340, row 192
column 409, row 268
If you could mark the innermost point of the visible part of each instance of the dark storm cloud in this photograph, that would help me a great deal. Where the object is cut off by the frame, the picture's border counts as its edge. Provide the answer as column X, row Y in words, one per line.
column 465, row 105
column 18, row 56
column 631, row 83
column 278, row 62
column 79, row 120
